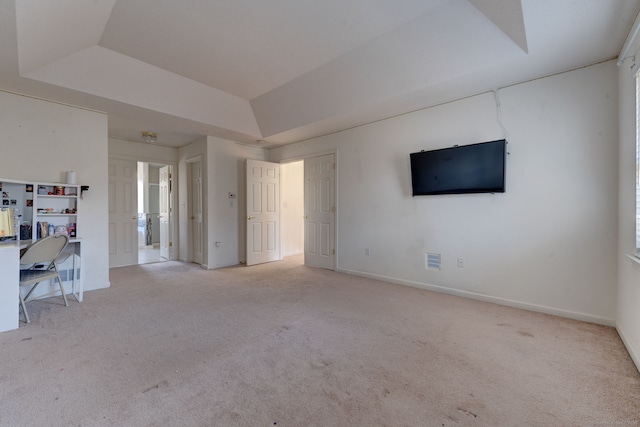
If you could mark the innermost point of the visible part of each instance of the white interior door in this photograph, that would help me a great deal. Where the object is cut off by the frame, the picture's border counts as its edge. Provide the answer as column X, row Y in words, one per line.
column 165, row 211
column 263, row 212
column 319, row 211
column 195, row 211
column 123, row 212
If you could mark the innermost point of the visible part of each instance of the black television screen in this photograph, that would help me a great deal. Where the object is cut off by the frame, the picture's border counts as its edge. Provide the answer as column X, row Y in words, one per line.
column 475, row 168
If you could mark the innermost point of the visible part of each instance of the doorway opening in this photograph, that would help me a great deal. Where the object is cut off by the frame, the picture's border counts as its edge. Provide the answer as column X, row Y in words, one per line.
column 308, row 210
column 153, row 212
column 292, row 213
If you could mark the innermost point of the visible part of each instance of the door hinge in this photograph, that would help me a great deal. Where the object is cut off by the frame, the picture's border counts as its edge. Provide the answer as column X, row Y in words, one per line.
column 334, row 166
column 333, row 208
column 333, row 251
column 170, row 244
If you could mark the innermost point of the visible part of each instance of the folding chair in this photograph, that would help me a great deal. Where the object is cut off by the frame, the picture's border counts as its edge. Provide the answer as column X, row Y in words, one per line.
column 41, row 259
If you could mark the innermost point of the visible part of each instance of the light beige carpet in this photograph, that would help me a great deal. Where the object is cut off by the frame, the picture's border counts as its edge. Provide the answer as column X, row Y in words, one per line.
column 281, row 344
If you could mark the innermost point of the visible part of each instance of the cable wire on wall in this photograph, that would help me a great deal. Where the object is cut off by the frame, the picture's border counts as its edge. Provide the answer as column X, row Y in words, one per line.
column 505, row 132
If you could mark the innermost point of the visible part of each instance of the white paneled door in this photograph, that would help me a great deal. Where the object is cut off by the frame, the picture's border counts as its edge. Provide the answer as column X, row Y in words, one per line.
column 319, row 211
column 123, row 212
column 263, row 212
column 195, row 211
column 165, row 212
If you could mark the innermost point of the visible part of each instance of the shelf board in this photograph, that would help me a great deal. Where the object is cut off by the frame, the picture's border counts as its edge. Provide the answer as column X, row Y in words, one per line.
column 56, row 214
column 54, row 196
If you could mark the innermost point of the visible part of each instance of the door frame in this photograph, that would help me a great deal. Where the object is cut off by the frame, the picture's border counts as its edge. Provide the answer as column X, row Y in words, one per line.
column 335, row 177
column 173, row 196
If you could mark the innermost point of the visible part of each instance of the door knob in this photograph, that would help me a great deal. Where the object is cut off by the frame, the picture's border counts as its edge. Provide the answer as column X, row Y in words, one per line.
column 250, row 217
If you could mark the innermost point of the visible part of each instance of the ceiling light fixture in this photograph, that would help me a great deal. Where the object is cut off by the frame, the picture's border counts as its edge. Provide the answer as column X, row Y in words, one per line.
column 149, row 137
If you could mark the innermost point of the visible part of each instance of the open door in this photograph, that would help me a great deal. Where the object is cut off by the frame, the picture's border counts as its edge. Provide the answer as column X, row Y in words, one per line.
column 263, row 212
column 319, row 211
column 123, row 212
column 196, row 226
column 165, row 212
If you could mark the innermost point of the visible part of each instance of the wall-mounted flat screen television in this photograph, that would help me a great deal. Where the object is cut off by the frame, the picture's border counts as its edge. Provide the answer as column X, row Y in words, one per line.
column 475, row 168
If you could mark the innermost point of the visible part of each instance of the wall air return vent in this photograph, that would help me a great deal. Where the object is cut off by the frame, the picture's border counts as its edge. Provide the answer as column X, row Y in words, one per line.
column 432, row 261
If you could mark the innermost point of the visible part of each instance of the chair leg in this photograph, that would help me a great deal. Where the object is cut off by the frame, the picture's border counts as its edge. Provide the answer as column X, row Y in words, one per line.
column 66, row 304
column 33, row 288
column 24, row 307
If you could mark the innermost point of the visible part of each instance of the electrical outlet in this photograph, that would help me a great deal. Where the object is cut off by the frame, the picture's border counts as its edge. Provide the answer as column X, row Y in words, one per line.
column 460, row 262
column 367, row 252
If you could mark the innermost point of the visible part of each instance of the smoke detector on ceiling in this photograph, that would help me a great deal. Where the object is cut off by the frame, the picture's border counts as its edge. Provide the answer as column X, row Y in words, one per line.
column 149, row 137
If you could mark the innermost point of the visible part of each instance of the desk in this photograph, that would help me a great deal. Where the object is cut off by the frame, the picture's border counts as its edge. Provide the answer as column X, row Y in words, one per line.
column 77, row 283
column 70, row 271
column 9, row 278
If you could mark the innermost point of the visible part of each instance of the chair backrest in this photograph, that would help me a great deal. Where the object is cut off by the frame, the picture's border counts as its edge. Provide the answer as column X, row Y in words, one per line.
column 44, row 250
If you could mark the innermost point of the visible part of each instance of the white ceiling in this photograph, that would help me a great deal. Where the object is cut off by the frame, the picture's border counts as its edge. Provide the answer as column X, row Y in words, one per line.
column 284, row 71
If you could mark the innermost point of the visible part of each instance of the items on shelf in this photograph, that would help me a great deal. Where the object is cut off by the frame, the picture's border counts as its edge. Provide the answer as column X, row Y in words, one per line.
column 25, row 230
column 42, row 229
column 51, row 211
column 71, row 229
column 7, row 222
column 57, row 190
column 46, row 208
column 45, row 229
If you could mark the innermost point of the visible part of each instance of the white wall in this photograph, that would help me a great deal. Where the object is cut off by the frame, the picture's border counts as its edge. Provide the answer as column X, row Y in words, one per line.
column 292, row 208
column 226, row 166
column 131, row 150
column 41, row 140
column 628, row 318
column 548, row 243
column 223, row 163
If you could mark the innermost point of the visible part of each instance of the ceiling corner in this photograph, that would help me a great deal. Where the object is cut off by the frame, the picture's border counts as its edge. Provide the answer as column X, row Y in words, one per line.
column 507, row 16
column 48, row 31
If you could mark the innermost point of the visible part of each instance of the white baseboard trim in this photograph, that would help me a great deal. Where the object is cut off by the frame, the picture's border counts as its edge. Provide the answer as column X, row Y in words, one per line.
column 94, row 286
column 630, row 349
column 487, row 298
